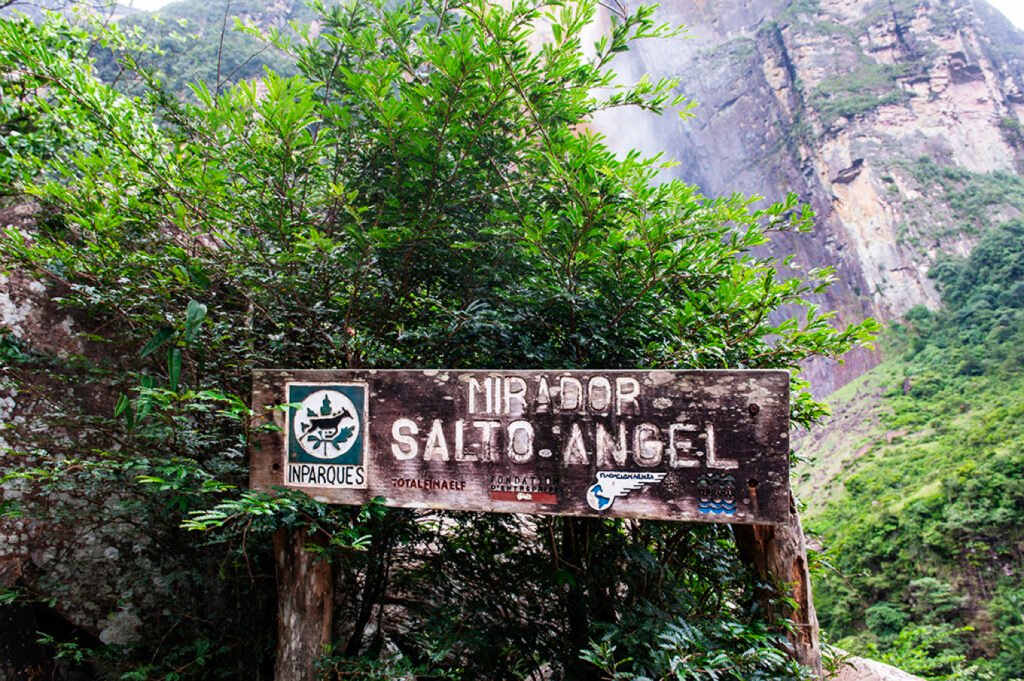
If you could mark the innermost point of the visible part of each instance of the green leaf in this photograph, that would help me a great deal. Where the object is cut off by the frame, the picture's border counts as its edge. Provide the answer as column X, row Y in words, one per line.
column 194, row 316
column 161, row 337
column 122, row 404
column 174, row 367
column 343, row 435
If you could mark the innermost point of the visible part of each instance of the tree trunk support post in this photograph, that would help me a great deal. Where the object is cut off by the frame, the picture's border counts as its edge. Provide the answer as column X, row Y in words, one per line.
column 778, row 556
column 305, row 595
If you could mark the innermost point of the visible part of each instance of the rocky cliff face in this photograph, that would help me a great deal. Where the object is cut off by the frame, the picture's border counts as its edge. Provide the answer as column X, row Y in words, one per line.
column 899, row 121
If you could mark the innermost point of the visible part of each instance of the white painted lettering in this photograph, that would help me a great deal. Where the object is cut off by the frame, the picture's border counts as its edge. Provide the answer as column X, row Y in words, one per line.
column 460, row 445
column 473, row 388
column 570, row 394
column 543, row 401
column 599, row 394
column 647, row 447
column 515, row 396
column 489, row 428
column 520, row 441
column 713, row 460
column 575, row 450
column 608, row 452
column 436, row 447
column 680, row 448
column 404, row 447
column 627, row 389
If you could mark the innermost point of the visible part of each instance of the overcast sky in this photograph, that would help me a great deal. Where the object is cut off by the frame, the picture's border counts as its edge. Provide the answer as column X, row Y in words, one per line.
column 145, row 4
column 1013, row 9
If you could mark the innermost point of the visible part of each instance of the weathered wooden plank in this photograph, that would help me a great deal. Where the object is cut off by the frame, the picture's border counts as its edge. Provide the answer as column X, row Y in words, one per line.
column 708, row 446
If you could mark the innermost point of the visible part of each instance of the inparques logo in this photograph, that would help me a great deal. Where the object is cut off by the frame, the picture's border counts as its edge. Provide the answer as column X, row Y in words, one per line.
column 326, row 435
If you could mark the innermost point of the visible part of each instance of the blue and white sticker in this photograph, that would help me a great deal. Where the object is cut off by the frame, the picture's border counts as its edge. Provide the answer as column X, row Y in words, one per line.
column 613, row 484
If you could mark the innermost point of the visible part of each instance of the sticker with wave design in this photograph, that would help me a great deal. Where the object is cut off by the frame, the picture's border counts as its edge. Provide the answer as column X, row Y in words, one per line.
column 716, row 494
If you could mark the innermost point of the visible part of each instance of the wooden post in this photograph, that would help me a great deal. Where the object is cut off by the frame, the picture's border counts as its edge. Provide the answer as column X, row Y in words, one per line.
column 305, row 600
column 778, row 557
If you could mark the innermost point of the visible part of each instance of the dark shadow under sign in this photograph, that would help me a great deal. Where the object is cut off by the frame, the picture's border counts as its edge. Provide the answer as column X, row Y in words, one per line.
column 704, row 446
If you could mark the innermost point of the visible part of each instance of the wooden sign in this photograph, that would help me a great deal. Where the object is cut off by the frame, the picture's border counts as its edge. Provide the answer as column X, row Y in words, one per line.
column 704, row 446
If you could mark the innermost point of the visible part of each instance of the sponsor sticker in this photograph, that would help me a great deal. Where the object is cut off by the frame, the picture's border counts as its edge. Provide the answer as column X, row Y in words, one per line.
column 545, row 498
column 613, row 484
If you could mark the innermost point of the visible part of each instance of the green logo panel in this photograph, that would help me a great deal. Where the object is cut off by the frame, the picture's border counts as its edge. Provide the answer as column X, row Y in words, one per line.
column 326, row 423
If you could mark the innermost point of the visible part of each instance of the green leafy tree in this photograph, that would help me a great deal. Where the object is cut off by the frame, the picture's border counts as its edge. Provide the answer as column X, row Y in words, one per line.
column 426, row 192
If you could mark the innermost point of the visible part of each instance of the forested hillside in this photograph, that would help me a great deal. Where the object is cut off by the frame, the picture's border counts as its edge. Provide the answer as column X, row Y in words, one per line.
column 916, row 488
column 200, row 42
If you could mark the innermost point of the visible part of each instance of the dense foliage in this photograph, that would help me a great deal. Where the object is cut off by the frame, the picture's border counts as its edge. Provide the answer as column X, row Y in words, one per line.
column 926, row 535
column 425, row 192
